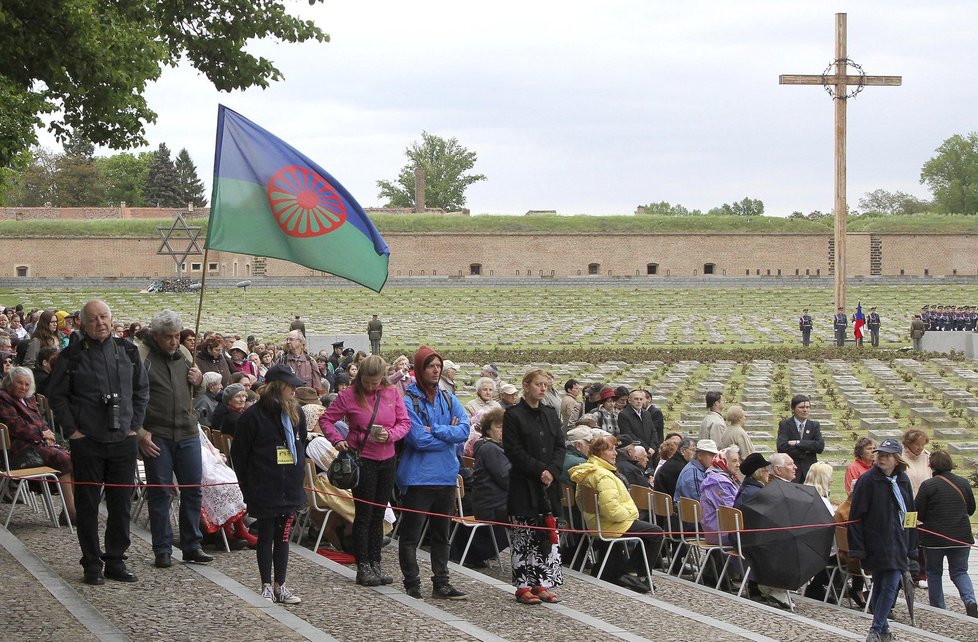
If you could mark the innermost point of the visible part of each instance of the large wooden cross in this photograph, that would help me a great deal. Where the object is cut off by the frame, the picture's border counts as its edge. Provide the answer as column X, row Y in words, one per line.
column 838, row 85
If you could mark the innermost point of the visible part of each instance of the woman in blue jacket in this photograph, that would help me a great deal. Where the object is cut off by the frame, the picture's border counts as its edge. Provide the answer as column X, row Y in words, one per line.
column 878, row 536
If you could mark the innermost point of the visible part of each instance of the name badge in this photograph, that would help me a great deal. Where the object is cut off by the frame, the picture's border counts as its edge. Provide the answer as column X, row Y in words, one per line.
column 910, row 520
column 284, row 456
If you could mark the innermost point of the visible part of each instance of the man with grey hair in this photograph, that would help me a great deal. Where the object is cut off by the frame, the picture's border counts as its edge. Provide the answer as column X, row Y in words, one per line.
column 169, row 439
column 298, row 359
column 98, row 391
column 783, row 467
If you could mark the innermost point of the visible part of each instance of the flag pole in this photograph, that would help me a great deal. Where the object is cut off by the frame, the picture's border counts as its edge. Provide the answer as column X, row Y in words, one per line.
column 200, row 301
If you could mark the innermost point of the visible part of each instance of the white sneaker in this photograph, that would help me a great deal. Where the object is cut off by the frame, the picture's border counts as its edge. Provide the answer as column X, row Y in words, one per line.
column 921, row 584
column 283, row 596
column 266, row 592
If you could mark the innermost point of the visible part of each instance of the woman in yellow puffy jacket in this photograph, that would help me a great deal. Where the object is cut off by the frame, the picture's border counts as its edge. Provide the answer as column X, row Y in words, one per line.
column 619, row 515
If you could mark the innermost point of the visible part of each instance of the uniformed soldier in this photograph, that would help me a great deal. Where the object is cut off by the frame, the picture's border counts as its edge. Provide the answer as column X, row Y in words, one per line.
column 805, row 325
column 873, row 323
column 973, row 319
column 961, row 319
column 925, row 317
column 840, row 324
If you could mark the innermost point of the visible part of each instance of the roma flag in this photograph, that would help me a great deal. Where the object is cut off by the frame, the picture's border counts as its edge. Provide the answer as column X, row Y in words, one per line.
column 268, row 199
column 858, row 321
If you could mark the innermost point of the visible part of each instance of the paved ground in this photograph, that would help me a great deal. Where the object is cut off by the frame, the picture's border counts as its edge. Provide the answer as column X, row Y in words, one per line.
column 44, row 599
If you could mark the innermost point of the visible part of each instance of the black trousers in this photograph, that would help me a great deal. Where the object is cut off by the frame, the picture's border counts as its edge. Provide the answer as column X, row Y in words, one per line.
column 376, row 485
column 618, row 562
column 113, row 463
column 431, row 499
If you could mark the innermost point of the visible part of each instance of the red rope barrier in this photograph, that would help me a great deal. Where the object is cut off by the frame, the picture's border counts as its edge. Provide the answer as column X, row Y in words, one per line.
column 472, row 520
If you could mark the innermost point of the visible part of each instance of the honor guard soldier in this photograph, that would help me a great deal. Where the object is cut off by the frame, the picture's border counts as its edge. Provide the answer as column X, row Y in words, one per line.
column 873, row 323
column 925, row 316
column 805, row 325
column 840, row 324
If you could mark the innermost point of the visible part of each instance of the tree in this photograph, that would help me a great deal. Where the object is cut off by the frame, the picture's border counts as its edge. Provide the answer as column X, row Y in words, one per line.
column 162, row 187
column 191, row 188
column 77, row 180
column 664, row 208
column 35, row 185
column 952, row 175
column 746, row 207
column 445, row 163
column 125, row 177
column 87, row 64
column 889, row 203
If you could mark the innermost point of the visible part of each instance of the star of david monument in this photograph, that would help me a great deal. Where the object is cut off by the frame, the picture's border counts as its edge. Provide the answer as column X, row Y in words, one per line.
column 837, row 82
column 184, row 237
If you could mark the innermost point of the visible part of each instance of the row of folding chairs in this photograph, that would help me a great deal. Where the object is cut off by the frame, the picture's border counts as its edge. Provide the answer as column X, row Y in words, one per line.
column 17, row 481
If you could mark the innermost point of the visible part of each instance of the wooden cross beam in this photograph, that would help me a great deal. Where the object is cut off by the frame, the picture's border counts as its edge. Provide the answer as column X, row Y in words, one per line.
column 840, row 82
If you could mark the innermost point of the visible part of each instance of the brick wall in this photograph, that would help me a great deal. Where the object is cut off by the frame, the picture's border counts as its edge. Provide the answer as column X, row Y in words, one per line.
column 550, row 254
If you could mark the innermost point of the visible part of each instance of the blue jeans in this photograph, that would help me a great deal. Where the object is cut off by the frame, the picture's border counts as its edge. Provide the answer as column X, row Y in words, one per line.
column 181, row 458
column 885, row 586
column 957, row 564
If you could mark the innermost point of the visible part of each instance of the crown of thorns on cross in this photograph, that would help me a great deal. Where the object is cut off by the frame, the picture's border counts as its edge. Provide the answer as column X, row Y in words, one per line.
column 188, row 232
column 828, row 79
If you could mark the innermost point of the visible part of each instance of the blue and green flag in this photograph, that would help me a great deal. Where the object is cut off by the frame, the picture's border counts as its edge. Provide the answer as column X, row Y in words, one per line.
column 270, row 200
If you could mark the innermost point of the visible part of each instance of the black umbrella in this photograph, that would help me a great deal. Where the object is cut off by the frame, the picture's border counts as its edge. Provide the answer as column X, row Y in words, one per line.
column 786, row 558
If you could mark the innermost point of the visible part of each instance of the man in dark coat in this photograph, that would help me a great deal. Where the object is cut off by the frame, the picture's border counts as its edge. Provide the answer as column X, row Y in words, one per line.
column 879, row 533
column 632, row 465
column 839, row 324
column 635, row 420
column 800, row 437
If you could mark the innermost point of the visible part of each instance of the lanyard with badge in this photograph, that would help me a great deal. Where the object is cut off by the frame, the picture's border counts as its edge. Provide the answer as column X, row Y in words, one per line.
column 285, row 454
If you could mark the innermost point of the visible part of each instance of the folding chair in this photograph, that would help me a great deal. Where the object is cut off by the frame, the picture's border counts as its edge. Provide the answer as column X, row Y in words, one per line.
column 697, row 547
column 21, row 476
column 46, row 413
column 842, row 542
column 312, row 501
column 836, row 569
column 663, row 512
column 468, row 462
column 570, row 501
column 589, row 504
column 468, row 521
column 642, row 496
column 732, row 519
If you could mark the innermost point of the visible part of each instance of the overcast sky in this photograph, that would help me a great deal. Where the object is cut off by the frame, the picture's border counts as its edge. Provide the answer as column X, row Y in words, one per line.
column 597, row 107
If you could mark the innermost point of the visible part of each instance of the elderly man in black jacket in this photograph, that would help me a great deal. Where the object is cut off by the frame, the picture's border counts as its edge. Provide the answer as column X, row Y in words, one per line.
column 635, row 420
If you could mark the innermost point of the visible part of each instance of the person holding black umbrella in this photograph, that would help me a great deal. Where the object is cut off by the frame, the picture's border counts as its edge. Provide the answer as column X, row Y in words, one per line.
column 882, row 533
column 534, row 443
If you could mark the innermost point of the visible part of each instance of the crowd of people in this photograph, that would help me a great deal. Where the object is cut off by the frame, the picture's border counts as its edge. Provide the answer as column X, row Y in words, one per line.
column 524, row 456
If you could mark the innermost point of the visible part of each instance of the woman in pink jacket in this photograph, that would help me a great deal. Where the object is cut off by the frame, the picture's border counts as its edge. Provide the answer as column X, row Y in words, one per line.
column 377, row 417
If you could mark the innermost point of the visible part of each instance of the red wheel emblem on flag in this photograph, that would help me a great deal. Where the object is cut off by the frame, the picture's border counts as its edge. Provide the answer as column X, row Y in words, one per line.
column 303, row 203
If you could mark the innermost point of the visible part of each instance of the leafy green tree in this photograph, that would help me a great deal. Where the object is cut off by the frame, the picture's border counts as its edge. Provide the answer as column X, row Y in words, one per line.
column 35, row 185
column 952, row 175
column 77, row 180
column 125, row 177
column 86, row 65
column 445, row 163
column 889, row 203
column 190, row 185
column 162, row 183
column 746, row 207
column 664, row 208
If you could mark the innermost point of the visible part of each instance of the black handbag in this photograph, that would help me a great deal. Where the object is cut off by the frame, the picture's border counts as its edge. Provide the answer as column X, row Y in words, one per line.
column 344, row 471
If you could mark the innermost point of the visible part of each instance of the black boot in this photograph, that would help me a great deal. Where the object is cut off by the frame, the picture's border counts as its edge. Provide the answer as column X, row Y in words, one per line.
column 379, row 572
column 366, row 575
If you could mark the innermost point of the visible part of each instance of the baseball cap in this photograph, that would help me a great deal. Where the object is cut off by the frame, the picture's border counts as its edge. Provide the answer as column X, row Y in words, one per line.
column 891, row 446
